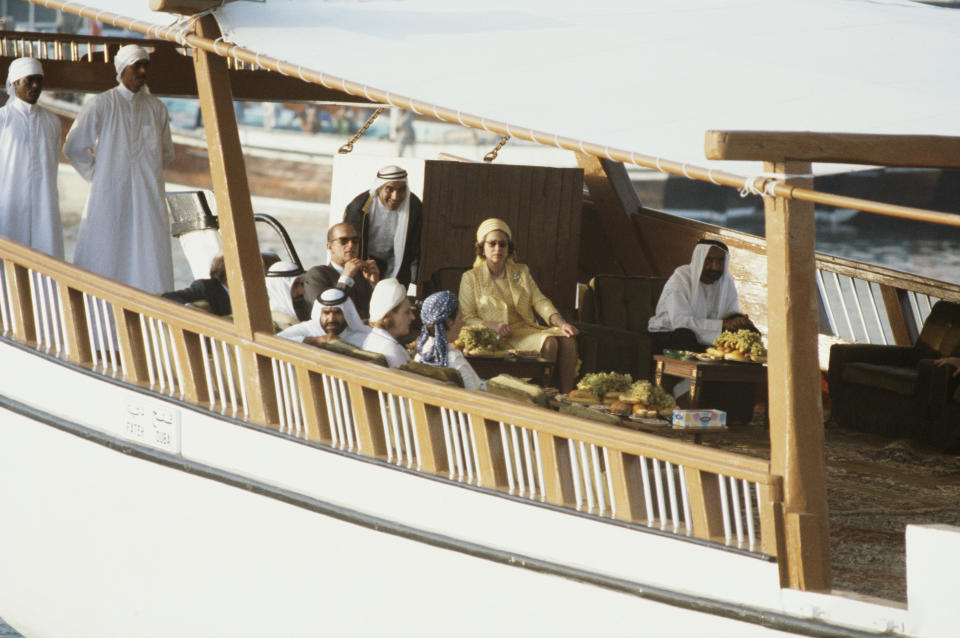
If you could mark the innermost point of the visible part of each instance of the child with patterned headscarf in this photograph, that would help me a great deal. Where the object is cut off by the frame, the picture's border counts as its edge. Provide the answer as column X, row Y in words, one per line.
column 442, row 321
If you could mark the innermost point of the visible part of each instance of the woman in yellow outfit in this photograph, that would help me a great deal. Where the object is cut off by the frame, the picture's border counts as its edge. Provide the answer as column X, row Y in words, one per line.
column 501, row 294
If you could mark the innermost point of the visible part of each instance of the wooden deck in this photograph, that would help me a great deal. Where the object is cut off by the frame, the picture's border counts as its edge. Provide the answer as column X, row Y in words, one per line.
column 875, row 487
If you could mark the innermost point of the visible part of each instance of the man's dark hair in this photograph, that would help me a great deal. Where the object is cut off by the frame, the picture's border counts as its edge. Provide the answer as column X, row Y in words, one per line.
column 218, row 269
column 335, row 227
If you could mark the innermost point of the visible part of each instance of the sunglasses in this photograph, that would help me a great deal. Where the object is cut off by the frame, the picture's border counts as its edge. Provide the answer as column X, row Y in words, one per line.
column 353, row 239
column 493, row 243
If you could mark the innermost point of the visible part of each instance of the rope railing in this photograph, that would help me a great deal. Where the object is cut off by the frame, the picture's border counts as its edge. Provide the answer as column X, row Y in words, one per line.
column 768, row 185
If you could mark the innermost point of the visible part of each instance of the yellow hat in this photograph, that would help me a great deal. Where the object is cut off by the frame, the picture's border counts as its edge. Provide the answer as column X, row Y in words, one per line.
column 489, row 225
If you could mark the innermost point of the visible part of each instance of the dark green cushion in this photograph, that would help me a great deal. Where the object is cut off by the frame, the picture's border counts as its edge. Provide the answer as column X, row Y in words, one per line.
column 444, row 375
column 626, row 302
column 892, row 378
column 342, row 347
column 584, row 412
column 511, row 387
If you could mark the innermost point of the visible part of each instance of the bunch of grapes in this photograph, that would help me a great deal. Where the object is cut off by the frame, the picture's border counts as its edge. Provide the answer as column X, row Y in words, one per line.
column 744, row 341
column 599, row 383
column 650, row 395
column 479, row 338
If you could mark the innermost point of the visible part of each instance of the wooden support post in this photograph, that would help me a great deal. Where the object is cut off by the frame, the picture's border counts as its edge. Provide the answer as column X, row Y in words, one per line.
column 130, row 336
column 194, row 383
column 428, row 428
column 898, row 321
column 75, row 325
column 490, row 453
column 796, row 415
column 704, row 488
column 616, row 202
column 624, row 470
column 18, row 283
column 311, row 395
column 241, row 252
column 366, row 412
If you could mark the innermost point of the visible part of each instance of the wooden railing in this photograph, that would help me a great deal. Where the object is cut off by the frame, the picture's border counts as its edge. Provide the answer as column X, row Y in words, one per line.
column 403, row 419
column 872, row 304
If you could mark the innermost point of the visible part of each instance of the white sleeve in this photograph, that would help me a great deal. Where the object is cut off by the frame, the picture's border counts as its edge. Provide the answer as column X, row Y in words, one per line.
column 81, row 141
column 471, row 381
column 674, row 311
column 298, row 332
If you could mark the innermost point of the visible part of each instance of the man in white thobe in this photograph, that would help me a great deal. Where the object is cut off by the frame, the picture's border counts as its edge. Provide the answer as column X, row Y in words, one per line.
column 29, row 155
column 698, row 302
column 121, row 143
column 334, row 317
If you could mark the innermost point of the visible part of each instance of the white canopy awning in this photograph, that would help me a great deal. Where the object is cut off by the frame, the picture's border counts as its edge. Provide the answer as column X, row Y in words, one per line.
column 639, row 75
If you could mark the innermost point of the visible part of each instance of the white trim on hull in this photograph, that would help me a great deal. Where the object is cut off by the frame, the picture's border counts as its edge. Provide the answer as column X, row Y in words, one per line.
column 283, row 556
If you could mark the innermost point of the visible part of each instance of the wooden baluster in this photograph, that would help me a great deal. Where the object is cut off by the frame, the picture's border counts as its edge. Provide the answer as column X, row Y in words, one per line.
column 366, row 414
column 624, row 470
column 900, row 323
column 314, row 405
column 493, row 468
column 428, row 428
column 705, row 507
column 75, row 325
column 18, row 283
column 772, row 537
column 557, row 473
column 193, row 383
column 130, row 335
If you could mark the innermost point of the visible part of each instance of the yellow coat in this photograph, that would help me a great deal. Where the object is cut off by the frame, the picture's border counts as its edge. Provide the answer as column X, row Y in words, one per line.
column 481, row 301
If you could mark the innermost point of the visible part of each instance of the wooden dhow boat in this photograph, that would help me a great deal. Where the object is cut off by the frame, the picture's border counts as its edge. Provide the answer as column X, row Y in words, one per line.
column 204, row 477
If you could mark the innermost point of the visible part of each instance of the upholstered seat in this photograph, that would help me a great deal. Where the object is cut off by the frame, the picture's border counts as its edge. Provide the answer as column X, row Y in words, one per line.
column 897, row 390
column 614, row 311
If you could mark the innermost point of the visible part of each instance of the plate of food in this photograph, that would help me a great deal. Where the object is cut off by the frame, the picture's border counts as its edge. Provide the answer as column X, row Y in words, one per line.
column 606, row 387
column 657, row 423
column 479, row 341
column 743, row 346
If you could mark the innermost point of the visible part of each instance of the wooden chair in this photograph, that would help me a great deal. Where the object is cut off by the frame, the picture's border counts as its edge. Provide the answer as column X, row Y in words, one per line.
column 614, row 311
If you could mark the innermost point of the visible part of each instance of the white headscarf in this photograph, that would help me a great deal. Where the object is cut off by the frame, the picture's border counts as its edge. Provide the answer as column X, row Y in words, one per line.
column 356, row 330
column 127, row 55
column 386, row 175
column 387, row 295
column 279, row 284
column 21, row 68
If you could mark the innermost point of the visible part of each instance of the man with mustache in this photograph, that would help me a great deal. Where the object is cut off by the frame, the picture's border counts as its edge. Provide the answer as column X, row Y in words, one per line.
column 29, row 154
column 698, row 302
column 334, row 317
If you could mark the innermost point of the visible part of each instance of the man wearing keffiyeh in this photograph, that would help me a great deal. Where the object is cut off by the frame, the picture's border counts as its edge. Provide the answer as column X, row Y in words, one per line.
column 389, row 219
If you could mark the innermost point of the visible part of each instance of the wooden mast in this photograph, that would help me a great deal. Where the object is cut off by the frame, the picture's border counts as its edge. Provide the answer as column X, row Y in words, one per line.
column 241, row 252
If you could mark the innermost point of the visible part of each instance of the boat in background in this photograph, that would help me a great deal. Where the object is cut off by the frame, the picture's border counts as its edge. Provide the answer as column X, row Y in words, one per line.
column 199, row 465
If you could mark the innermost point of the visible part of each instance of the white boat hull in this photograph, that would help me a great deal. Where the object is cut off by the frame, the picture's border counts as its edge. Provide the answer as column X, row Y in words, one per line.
column 244, row 532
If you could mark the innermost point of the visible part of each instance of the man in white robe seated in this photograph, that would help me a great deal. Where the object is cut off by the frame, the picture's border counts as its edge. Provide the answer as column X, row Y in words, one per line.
column 120, row 143
column 334, row 317
column 29, row 156
column 698, row 302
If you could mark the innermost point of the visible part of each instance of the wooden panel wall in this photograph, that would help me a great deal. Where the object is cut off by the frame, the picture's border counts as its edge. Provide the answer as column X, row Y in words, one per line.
column 541, row 205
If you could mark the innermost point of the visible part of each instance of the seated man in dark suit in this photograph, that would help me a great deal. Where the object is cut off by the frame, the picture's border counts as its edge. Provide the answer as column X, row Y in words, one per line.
column 389, row 218
column 212, row 291
column 346, row 270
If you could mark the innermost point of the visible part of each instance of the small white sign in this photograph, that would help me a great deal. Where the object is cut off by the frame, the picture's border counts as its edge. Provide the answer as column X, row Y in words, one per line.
column 152, row 423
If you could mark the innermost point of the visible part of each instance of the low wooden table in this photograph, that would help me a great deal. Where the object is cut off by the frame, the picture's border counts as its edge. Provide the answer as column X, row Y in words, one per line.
column 703, row 373
column 525, row 367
